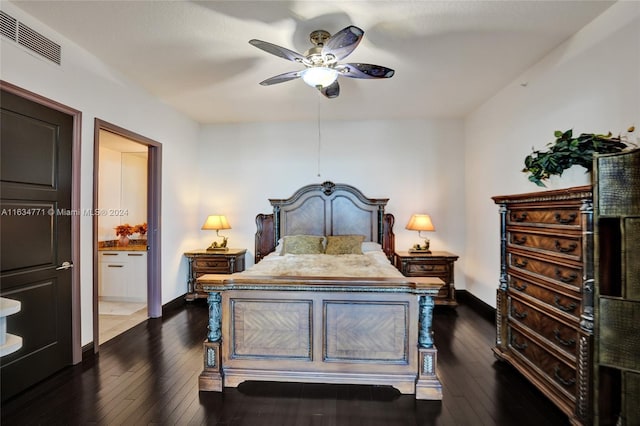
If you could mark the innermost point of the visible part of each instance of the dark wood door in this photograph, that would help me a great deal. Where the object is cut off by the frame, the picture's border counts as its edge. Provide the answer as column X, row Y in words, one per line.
column 35, row 238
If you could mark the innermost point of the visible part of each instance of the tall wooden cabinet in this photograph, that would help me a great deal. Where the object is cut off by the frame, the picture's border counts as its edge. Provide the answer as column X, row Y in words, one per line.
column 544, row 306
column 617, row 288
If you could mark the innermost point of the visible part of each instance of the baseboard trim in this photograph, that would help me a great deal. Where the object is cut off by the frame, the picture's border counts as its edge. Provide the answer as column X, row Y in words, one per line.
column 173, row 305
column 88, row 351
column 479, row 306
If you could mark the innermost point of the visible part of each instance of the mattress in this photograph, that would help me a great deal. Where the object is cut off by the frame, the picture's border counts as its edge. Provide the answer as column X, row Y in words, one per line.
column 369, row 264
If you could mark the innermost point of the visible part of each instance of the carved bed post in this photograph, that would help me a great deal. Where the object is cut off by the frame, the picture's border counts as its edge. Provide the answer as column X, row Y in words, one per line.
column 389, row 241
column 427, row 386
column 381, row 225
column 276, row 223
column 211, row 377
column 265, row 241
column 425, row 316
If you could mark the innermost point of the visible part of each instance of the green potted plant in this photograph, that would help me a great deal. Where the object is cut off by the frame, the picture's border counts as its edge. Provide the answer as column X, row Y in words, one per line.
column 567, row 151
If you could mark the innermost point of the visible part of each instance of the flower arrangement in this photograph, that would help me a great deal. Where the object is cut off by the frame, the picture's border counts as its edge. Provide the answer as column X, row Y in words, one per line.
column 124, row 230
column 127, row 230
column 140, row 229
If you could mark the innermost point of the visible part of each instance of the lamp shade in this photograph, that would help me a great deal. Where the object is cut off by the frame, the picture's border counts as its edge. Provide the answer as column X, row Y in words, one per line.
column 216, row 222
column 319, row 76
column 420, row 222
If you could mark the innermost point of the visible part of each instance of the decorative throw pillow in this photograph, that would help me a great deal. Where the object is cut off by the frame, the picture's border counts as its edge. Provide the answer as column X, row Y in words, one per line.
column 302, row 244
column 344, row 244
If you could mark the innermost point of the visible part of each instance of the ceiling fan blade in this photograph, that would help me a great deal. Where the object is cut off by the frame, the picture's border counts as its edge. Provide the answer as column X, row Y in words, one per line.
column 280, row 51
column 364, row 71
column 342, row 43
column 281, row 78
column 331, row 91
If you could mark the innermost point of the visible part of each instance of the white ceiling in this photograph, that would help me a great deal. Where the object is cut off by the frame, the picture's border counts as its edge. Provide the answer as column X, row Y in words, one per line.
column 449, row 56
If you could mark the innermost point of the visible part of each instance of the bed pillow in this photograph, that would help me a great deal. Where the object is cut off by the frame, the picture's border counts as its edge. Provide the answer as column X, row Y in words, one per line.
column 344, row 244
column 302, row 244
column 368, row 246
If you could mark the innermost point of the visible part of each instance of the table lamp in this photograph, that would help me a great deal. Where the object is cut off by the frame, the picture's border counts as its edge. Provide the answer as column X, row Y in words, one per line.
column 420, row 222
column 217, row 222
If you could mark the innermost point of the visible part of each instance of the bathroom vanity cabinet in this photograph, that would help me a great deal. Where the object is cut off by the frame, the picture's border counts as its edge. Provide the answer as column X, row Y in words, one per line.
column 123, row 276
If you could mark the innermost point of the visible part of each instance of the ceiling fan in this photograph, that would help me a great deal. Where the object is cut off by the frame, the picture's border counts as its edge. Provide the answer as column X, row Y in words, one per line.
column 322, row 61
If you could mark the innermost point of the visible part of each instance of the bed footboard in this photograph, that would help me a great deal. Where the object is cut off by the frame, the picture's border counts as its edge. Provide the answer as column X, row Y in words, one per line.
column 322, row 331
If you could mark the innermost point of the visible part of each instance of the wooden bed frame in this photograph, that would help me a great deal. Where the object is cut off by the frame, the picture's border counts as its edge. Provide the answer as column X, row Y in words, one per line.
column 321, row 329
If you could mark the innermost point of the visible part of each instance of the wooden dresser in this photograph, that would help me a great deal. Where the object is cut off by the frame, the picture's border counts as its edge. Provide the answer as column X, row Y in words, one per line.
column 544, row 307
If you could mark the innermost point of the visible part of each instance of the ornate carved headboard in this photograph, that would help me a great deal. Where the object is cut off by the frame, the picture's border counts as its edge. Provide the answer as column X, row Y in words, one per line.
column 325, row 209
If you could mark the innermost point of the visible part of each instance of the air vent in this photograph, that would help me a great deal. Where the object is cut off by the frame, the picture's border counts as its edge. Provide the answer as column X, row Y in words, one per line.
column 8, row 25
column 29, row 38
column 38, row 43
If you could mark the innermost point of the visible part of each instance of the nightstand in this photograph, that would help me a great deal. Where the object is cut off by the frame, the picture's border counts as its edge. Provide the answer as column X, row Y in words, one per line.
column 203, row 262
column 435, row 264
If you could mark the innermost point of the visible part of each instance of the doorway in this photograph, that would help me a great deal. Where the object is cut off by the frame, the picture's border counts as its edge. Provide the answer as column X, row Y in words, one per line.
column 126, row 230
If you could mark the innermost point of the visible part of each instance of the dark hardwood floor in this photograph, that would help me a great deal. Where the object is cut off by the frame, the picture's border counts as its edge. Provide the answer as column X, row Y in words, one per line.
column 149, row 375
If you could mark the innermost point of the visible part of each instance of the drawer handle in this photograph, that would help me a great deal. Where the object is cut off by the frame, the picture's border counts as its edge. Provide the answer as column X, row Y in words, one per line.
column 515, row 285
column 556, row 374
column 519, row 218
column 134, row 254
column 567, row 308
column 427, row 267
column 519, row 315
column 569, row 249
column 566, row 278
column 520, row 263
column 519, row 241
column 109, row 254
column 565, row 220
column 562, row 341
column 519, row 346
column 115, row 266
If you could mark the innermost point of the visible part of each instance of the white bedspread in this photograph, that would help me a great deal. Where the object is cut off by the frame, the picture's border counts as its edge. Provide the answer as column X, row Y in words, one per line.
column 370, row 264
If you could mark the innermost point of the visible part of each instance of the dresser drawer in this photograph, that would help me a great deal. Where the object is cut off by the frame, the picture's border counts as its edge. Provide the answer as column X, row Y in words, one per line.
column 568, row 217
column 568, row 246
column 561, row 375
column 561, row 274
column 565, row 304
column 220, row 264
column 417, row 268
column 563, row 336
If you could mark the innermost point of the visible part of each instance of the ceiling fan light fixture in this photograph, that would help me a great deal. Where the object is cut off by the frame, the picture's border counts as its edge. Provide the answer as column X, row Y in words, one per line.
column 319, row 76
column 322, row 61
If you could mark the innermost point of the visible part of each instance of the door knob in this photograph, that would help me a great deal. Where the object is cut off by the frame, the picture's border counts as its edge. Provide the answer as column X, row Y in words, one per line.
column 65, row 265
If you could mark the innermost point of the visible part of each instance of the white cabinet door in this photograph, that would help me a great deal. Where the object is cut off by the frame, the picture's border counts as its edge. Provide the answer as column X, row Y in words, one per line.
column 137, row 276
column 112, row 277
column 123, row 276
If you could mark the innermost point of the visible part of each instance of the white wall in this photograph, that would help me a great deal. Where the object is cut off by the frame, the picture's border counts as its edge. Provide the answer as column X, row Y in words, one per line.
column 84, row 83
column 417, row 164
column 590, row 83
